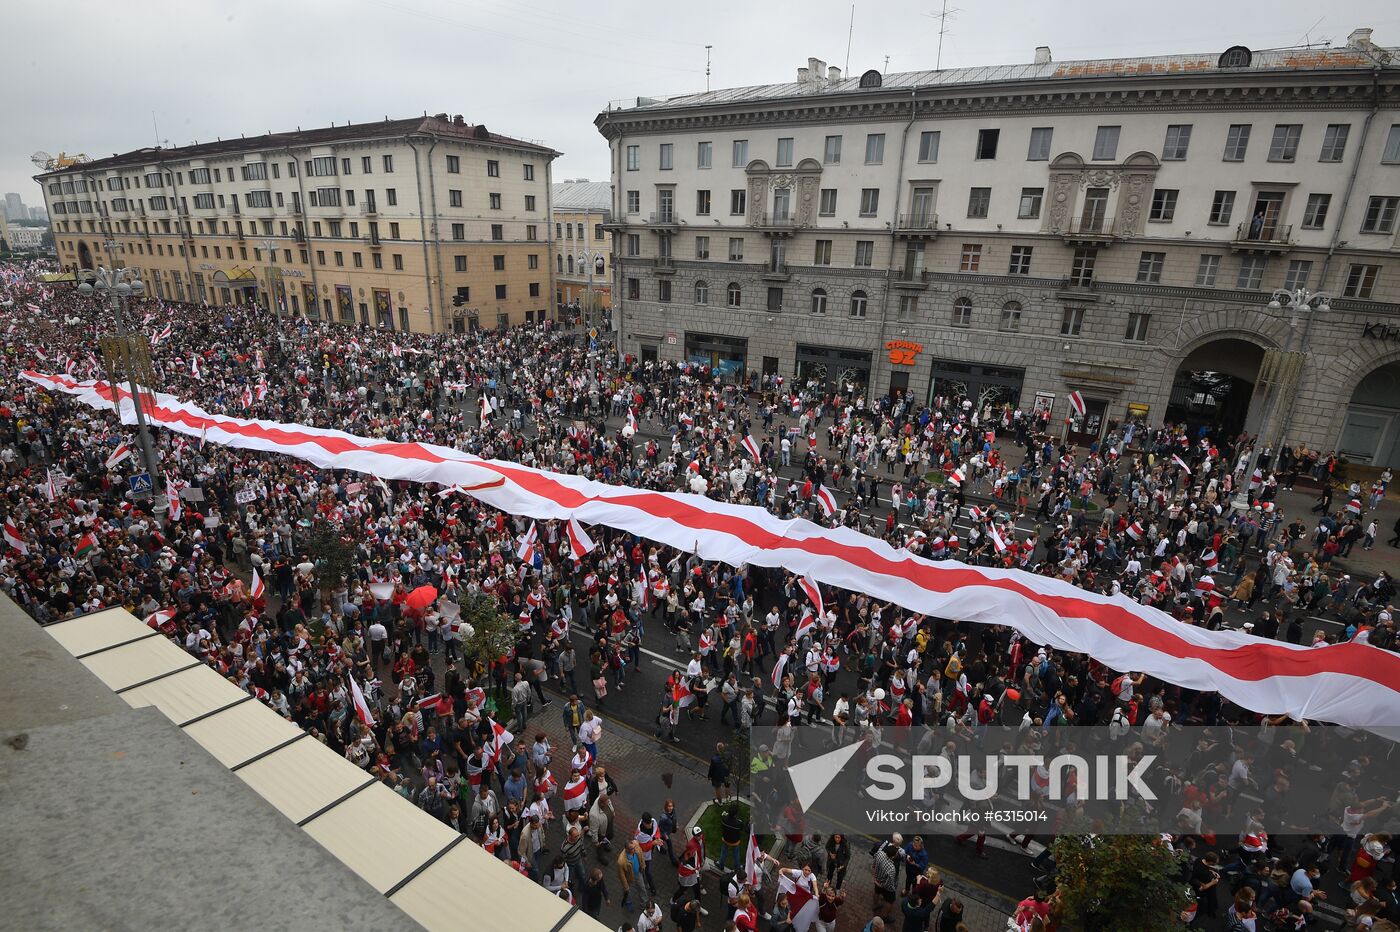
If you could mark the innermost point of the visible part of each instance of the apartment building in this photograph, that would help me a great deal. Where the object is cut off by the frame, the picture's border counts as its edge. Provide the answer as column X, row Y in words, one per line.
column 581, row 211
column 1012, row 234
column 427, row 224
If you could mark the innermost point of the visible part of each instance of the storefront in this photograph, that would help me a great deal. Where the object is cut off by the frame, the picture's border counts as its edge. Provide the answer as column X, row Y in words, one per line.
column 986, row 387
column 728, row 355
column 845, row 370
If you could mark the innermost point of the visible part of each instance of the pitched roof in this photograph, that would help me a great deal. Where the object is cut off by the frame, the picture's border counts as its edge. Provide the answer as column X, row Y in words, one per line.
column 439, row 125
column 581, row 195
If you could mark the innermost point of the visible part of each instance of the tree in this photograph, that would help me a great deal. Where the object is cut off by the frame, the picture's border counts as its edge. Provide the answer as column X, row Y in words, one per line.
column 492, row 634
column 1111, row 882
column 332, row 552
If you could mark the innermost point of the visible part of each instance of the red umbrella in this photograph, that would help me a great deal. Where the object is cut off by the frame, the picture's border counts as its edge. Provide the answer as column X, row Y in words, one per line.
column 421, row 598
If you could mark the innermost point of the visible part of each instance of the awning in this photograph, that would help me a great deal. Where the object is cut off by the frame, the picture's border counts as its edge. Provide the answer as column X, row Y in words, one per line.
column 237, row 276
column 59, row 277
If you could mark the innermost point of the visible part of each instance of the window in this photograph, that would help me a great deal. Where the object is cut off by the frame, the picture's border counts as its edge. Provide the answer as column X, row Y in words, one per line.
column 391, row 196
column 255, row 171
column 459, row 263
column 831, row 151
column 204, row 201
column 818, row 300
column 459, row 231
column 529, row 202
column 1137, row 327
column 498, row 232
column 666, row 157
column 702, row 203
column 702, row 247
column 874, row 148
column 738, row 199
column 454, row 165
column 1177, row 142
column 1299, row 271
column 366, row 164
column 1020, row 261
column 865, row 253
column 702, row 292
column 704, row 153
column 1361, row 281
column 1207, row 270
column 928, row 146
column 1071, row 321
column 201, row 175
column 1391, row 153
column 1081, row 270
column 1106, row 143
column 1010, row 316
column 826, row 203
column 979, row 202
column 532, row 261
column 1039, row 150
column 1380, row 215
column 634, row 244
column 345, row 166
column 869, row 202
column 634, row 158
column 1251, row 273
column 822, row 253
column 962, row 312
column 1150, row 267
column 784, row 152
column 734, row 295
column 1222, row 206
column 454, row 198
column 971, row 257
column 1334, row 142
column 388, row 164
column 393, row 230
column 859, row 302
column 736, row 249
column 1030, row 203
column 987, row 143
column 741, row 153
column 1163, row 204
column 339, row 258
column 775, row 298
column 908, row 306
column 498, row 263
column 1315, row 214
column 494, row 199
column 1284, row 147
column 634, row 202
column 529, row 172
column 663, row 290
column 398, row 257
column 259, row 198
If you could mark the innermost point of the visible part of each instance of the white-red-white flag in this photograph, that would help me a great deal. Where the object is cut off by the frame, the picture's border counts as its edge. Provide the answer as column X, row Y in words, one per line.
column 579, row 541
column 1176, row 458
column 997, row 538
column 194, row 367
column 258, row 589
column 809, row 586
column 751, row 445
column 13, row 538
column 525, row 552
column 826, row 500
column 362, row 711
column 122, row 451
column 1076, row 401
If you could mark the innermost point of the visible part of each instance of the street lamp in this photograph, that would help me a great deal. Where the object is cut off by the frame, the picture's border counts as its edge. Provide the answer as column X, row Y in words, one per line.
column 120, row 285
column 588, row 257
column 1295, row 301
column 270, row 248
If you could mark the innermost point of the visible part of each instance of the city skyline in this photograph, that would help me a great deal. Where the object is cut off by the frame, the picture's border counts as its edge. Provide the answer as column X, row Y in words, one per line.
column 556, row 102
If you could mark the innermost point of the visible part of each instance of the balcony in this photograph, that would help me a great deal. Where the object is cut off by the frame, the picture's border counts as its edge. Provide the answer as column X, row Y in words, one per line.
column 372, row 241
column 369, row 210
column 782, row 224
column 776, row 272
column 916, row 279
column 1264, row 238
column 1091, row 231
column 663, row 219
column 919, row 223
column 663, row 265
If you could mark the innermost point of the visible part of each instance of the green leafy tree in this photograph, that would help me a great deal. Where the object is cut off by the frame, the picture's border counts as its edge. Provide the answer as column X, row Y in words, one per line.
column 493, row 635
column 332, row 552
column 1112, row 882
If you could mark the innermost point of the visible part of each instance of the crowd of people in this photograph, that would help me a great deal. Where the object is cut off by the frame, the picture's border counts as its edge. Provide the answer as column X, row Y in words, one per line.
column 297, row 584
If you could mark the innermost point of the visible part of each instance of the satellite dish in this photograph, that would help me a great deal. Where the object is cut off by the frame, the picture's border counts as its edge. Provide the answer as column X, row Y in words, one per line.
column 41, row 159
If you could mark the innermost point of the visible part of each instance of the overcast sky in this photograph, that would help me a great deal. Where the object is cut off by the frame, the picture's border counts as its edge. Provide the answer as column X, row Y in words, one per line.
column 87, row 76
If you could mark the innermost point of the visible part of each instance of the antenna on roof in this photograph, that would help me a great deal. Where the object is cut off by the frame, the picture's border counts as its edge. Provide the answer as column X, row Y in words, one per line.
column 850, row 30
column 707, row 66
column 887, row 64
column 942, row 30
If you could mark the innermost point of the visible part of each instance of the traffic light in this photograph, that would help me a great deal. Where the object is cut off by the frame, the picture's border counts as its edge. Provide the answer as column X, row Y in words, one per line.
column 457, row 300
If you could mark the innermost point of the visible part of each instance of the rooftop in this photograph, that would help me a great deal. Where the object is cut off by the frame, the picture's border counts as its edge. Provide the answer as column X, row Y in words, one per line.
column 441, row 124
column 581, row 195
column 817, row 80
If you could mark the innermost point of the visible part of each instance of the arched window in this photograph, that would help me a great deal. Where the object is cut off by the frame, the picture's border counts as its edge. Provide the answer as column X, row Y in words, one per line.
column 1011, row 315
column 702, row 292
column 1236, row 56
column 962, row 312
column 561, row 264
column 571, row 265
column 858, row 303
column 736, row 296
column 818, row 300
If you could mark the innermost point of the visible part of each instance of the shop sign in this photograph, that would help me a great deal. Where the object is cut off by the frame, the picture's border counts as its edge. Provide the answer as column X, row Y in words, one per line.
column 903, row 352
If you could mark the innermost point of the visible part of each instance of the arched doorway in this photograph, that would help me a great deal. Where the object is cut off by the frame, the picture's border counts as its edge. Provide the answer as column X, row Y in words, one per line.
column 1371, row 431
column 84, row 255
column 1213, row 387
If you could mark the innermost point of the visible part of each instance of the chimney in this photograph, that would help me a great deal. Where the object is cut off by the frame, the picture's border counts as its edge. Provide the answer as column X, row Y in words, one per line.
column 818, row 69
column 804, row 76
column 436, row 116
column 1360, row 39
column 1042, row 54
column 459, row 120
column 833, row 74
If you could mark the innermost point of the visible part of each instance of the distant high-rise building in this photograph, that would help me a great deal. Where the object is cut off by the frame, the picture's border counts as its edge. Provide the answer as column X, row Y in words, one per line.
column 38, row 213
column 14, row 207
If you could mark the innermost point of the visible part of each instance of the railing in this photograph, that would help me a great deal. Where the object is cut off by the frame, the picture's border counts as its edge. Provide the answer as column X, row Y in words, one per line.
column 916, row 276
column 667, row 263
column 1091, row 226
column 1275, row 233
column 776, row 270
column 920, row 221
column 371, row 240
column 777, row 221
column 370, row 209
column 663, row 217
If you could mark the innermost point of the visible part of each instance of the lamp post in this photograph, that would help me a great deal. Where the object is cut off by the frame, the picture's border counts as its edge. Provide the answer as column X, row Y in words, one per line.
column 120, row 285
column 586, row 256
column 270, row 248
column 1296, row 301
